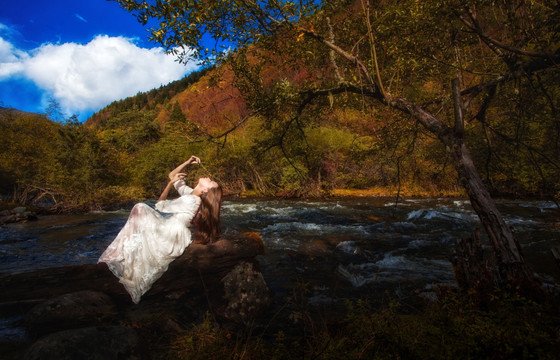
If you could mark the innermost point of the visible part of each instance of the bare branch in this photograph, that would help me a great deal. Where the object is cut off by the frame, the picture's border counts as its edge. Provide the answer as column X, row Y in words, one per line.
column 331, row 53
column 496, row 45
column 351, row 58
column 528, row 147
column 458, row 107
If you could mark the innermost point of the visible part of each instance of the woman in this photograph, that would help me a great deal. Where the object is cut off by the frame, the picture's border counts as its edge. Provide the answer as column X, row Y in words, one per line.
column 151, row 240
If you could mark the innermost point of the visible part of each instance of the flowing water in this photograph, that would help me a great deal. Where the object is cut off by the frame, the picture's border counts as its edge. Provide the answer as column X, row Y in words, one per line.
column 335, row 249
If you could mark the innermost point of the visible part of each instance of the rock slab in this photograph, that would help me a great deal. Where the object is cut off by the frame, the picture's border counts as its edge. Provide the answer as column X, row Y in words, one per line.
column 79, row 309
column 19, row 214
column 103, row 343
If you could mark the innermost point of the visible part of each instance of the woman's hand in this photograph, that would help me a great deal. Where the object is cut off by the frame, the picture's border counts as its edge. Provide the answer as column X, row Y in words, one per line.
column 177, row 176
column 193, row 160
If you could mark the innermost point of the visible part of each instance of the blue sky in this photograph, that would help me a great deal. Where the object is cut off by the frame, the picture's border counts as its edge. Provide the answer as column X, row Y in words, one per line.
column 83, row 54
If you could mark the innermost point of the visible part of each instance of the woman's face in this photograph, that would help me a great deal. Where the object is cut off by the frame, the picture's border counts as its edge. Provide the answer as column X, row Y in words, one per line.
column 206, row 184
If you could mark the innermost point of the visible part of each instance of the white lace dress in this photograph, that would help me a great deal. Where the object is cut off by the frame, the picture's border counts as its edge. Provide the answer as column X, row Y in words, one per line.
column 151, row 240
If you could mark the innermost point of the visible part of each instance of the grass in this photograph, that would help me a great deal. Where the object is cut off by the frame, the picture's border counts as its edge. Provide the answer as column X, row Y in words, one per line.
column 410, row 191
column 455, row 327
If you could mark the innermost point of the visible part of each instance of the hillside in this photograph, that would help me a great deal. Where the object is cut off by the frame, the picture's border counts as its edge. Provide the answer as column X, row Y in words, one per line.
column 259, row 129
column 214, row 105
column 209, row 98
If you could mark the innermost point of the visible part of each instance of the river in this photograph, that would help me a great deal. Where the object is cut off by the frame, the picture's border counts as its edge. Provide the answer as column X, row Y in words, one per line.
column 334, row 249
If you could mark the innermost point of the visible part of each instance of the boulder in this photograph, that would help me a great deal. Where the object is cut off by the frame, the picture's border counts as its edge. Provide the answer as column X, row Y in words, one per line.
column 74, row 308
column 246, row 294
column 79, row 309
column 103, row 343
column 18, row 214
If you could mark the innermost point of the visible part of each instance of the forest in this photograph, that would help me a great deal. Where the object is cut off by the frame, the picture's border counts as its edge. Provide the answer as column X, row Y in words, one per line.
column 286, row 117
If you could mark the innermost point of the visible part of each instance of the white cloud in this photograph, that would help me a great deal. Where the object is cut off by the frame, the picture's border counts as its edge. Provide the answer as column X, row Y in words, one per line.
column 11, row 59
column 88, row 77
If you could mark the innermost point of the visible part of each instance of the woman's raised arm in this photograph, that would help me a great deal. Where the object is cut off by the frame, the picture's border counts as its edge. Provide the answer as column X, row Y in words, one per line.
column 176, row 175
column 172, row 181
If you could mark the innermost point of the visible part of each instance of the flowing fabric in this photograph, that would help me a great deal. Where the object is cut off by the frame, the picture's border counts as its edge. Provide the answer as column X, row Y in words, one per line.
column 150, row 240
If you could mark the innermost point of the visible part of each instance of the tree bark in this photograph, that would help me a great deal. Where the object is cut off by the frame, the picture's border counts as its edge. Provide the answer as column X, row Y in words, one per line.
column 470, row 267
column 511, row 264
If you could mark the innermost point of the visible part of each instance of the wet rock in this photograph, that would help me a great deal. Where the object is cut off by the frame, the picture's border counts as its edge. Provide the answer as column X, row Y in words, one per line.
column 208, row 262
column 79, row 309
column 87, row 343
column 19, row 214
column 6, row 219
column 246, row 294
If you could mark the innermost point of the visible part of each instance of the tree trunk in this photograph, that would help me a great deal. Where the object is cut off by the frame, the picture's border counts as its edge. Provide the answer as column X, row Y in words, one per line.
column 470, row 267
column 512, row 268
column 511, row 265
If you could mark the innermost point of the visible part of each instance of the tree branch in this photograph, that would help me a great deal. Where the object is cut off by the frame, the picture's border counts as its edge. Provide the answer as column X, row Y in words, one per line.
column 516, row 141
column 351, row 58
column 429, row 121
column 496, row 45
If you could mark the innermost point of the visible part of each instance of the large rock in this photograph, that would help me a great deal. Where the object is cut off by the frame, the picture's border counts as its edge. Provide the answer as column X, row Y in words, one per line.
column 74, row 297
column 209, row 263
column 246, row 294
column 87, row 343
column 79, row 309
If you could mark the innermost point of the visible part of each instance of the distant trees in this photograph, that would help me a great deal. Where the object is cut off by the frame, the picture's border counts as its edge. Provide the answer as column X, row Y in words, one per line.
column 151, row 99
column 62, row 164
column 54, row 111
column 178, row 125
column 27, row 151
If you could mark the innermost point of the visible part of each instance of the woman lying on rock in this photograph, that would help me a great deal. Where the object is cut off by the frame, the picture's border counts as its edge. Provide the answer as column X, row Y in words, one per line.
column 150, row 240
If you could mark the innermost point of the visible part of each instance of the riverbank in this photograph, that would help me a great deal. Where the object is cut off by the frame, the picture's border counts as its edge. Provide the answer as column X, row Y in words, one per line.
column 377, row 191
column 394, row 192
column 455, row 326
column 17, row 214
column 389, row 192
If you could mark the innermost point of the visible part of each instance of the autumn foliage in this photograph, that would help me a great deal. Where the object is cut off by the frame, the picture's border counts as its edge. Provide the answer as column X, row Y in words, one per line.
column 244, row 117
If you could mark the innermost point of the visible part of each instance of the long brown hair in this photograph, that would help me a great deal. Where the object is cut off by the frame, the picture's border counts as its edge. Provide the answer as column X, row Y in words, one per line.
column 207, row 220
